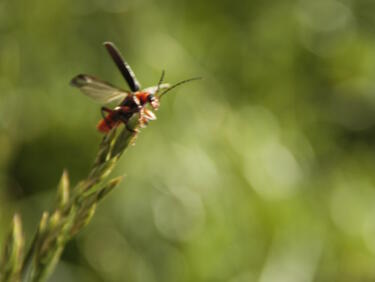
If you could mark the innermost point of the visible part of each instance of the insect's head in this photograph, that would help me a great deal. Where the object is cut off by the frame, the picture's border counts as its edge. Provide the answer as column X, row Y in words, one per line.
column 153, row 100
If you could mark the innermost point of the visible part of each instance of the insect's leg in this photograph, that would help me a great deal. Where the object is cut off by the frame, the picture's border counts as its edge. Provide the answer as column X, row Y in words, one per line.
column 139, row 109
column 142, row 118
column 125, row 121
column 102, row 111
column 149, row 114
column 130, row 129
column 105, row 109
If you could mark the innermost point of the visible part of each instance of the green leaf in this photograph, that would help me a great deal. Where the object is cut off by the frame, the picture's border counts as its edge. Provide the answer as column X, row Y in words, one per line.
column 12, row 258
column 63, row 190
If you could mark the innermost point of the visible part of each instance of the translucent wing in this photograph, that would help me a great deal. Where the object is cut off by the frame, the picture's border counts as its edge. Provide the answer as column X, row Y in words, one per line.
column 97, row 89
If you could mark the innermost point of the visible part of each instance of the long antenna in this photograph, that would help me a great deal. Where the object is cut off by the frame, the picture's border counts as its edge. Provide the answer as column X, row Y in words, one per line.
column 178, row 84
column 160, row 81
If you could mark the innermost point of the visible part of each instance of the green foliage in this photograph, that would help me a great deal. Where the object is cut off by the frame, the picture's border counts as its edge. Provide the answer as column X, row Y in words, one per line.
column 12, row 258
column 263, row 171
column 74, row 210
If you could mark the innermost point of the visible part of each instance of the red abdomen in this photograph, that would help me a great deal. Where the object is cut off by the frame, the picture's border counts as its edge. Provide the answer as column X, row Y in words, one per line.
column 107, row 124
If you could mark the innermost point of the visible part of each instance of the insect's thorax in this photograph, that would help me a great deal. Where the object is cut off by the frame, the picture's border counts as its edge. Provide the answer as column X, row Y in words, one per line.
column 142, row 97
column 128, row 107
column 130, row 101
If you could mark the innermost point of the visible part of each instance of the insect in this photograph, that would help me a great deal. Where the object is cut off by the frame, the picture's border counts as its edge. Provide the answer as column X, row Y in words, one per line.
column 132, row 102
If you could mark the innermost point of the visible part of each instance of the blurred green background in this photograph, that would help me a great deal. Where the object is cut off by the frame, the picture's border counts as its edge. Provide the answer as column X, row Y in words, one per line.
column 263, row 171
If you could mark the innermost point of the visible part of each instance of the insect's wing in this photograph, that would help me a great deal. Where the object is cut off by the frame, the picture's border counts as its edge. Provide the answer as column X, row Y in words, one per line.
column 124, row 68
column 97, row 89
column 153, row 89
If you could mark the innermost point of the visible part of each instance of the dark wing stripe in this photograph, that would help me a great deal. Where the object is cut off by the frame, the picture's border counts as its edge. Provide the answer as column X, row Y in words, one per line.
column 124, row 68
